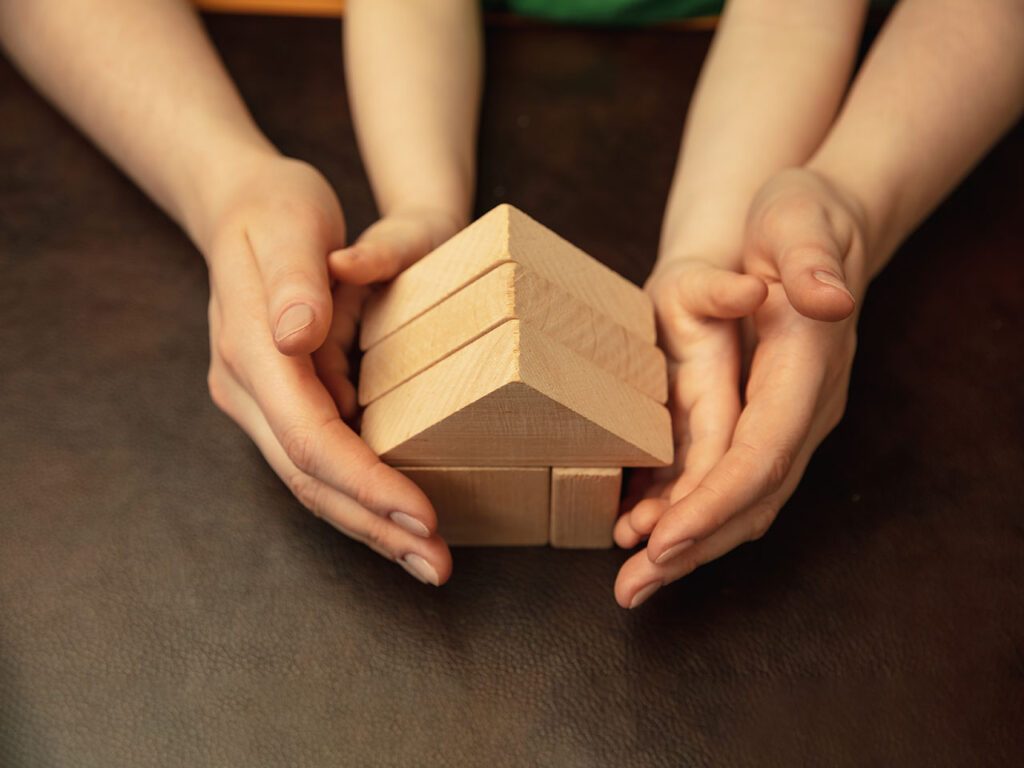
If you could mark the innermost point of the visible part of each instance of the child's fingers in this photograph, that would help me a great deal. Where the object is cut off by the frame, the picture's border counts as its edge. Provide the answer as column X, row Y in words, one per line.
column 333, row 370
column 708, row 291
column 383, row 250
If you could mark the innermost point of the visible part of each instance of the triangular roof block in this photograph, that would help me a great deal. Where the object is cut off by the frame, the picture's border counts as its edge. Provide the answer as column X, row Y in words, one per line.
column 505, row 234
column 511, row 291
column 515, row 397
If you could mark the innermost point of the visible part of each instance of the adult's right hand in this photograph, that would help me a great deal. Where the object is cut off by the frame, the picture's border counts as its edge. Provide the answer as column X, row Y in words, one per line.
column 277, row 365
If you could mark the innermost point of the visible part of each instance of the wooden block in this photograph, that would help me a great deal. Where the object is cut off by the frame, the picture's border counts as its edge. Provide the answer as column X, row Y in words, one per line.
column 584, row 506
column 487, row 506
column 505, row 234
column 511, row 291
column 515, row 397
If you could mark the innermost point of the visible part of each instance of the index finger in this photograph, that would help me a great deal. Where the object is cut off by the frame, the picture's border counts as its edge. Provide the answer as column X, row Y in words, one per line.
column 305, row 421
column 769, row 433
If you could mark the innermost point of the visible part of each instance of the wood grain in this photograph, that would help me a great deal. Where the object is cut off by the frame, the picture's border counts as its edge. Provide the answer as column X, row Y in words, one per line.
column 584, row 506
column 505, row 234
column 487, row 506
column 511, row 291
column 515, row 397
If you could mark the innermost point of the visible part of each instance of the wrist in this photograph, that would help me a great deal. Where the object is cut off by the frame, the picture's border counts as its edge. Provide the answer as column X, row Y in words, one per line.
column 872, row 205
column 217, row 181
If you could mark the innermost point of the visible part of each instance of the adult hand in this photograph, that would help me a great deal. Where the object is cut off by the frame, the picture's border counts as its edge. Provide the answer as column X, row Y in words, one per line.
column 805, row 241
column 278, row 368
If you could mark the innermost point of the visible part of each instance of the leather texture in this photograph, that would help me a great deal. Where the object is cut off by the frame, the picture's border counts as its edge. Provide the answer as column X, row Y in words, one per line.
column 165, row 602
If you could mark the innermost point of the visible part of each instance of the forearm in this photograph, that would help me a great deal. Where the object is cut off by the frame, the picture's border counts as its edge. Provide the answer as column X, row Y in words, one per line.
column 767, row 94
column 943, row 81
column 414, row 80
column 142, row 81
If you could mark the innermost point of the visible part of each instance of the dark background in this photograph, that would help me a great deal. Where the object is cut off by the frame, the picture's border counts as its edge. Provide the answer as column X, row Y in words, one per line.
column 164, row 601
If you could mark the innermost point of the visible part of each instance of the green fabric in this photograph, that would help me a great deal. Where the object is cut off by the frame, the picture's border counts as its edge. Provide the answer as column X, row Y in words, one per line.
column 618, row 11
column 609, row 11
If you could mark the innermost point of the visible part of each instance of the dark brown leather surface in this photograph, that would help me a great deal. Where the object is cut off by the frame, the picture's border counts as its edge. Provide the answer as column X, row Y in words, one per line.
column 164, row 601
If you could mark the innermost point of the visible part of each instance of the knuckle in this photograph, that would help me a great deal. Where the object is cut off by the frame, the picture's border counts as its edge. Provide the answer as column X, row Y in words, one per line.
column 762, row 520
column 376, row 533
column 719, row 513
column 286, row 276
column 769, row 465
column 835, row 414
column 218, row 392
column 306, row 490
column 799, row 209
column 301, row 446
column 300, row 214
column 365, row 491
column 225, row 350
column 778, row 465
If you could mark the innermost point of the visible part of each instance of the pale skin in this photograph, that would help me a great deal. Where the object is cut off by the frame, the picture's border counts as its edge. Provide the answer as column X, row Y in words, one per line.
column 780, row 214
column 941, row 83
column 144, row 83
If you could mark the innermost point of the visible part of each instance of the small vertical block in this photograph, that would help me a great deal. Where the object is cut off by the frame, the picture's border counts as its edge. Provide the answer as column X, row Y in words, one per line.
column 584, row 506
column 487, row 506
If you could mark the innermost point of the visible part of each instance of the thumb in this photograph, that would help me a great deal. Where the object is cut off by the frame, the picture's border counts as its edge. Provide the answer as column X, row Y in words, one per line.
column 298, row 292
column 808, row 256
column 815, row 283
column 382, row 251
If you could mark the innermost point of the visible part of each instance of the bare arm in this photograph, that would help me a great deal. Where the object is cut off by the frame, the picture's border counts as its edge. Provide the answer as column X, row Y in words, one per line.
column 142, row 80
column 944, row 80
column 767, row 94
column 414, row 78
column 144, row 83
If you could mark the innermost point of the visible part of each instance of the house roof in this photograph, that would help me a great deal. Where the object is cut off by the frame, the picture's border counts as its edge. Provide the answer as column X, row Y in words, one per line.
column 514, row 396
column 505, row 234
column 511, row 291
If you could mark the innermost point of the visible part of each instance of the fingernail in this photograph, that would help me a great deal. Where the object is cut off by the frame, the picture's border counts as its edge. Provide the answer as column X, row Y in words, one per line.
column 410, row 523
column 420, row 568
column 644, row 593
column 831, row 280
column 293, row 320
column 672, row 551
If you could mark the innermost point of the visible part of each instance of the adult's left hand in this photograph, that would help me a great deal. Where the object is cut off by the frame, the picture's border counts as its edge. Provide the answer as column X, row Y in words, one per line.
column 805, row 239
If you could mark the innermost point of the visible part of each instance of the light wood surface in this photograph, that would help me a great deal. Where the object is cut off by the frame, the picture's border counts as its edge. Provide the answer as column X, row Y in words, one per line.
column 487, row 506
column 584, row 506
column 511, row 291
column 505, row 234
column 515, row 397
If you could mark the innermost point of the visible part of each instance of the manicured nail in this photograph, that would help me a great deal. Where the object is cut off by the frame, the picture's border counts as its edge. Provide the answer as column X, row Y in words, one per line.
column 672, row 551
column 410, row 523
column 420, row 568
column 293, row 320
column 644, row 593
column 832, row 281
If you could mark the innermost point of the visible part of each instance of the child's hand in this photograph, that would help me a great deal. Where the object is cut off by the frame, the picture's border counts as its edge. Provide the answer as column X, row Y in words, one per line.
column 805, row 240
column 270, row 294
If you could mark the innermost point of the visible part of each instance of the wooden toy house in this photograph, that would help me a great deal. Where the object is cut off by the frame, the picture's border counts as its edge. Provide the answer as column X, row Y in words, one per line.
column 512, row 376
